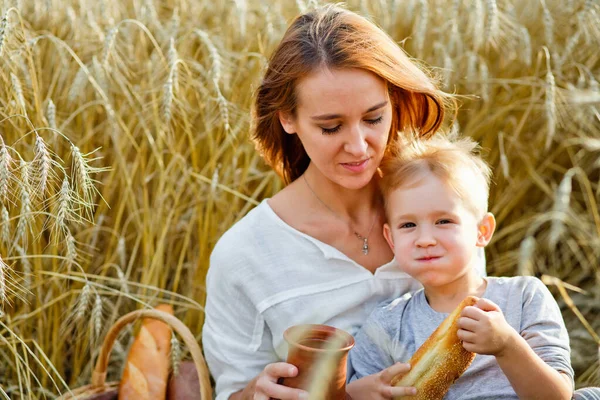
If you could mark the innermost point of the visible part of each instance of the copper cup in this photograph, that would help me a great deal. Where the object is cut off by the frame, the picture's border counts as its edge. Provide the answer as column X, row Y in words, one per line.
column 320, row 353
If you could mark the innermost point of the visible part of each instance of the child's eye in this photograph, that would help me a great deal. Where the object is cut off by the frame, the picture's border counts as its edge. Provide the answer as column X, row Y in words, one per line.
column 407, row 225
column 444, row 221
column 329, row 131
column 374, row 121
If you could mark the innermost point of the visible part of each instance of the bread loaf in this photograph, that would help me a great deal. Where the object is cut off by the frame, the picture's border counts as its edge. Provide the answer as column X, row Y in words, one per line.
column 440, row 361
column 147, row 368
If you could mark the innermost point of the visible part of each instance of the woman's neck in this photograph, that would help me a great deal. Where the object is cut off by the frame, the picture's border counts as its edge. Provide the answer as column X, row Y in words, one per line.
column 349, row 204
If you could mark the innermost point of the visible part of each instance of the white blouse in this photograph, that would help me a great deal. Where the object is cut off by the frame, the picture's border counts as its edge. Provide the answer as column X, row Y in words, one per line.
column 266, row 276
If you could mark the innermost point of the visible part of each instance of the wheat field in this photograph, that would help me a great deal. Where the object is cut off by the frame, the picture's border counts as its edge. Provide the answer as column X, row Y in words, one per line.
column 125, row 154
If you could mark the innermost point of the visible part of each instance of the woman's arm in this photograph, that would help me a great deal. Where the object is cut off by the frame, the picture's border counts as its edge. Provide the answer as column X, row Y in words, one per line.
column 237, row 344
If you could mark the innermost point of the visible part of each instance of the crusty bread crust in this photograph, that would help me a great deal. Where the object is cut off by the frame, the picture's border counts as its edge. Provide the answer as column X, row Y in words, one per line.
column 440, row 361
column 147, row 368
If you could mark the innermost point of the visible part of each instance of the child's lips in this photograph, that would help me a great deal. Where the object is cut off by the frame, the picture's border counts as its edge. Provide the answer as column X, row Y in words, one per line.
column 428, row 258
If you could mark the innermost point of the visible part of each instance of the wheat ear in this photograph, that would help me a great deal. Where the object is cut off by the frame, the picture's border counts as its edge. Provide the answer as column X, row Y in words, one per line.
column 5, row 228
column 3, row 31
column 560, row 208
column 5, row 171
column 526, row 250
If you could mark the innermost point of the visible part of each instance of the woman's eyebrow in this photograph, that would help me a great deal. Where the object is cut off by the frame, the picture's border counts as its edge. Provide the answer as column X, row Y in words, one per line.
column 336, row 116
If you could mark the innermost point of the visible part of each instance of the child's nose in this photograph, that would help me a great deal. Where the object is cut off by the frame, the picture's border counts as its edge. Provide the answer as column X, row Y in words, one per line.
column 425, row 238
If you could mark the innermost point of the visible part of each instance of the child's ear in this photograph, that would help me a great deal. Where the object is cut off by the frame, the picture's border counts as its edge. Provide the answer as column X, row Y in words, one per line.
column 387, row 233
column 287, row 121
column 485, row 230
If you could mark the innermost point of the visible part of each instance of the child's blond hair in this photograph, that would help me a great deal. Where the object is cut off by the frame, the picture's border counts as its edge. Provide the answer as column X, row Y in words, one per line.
column 455, row 162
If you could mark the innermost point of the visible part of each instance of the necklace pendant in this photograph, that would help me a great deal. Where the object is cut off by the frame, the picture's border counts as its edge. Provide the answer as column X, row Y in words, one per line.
column 365, row 248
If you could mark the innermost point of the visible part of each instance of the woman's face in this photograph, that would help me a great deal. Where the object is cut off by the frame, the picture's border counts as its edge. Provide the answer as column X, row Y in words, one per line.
column 343, row 120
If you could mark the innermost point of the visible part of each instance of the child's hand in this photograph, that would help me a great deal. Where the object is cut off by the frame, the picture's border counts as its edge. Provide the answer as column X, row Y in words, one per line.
column 378, row 386
column 483, row 329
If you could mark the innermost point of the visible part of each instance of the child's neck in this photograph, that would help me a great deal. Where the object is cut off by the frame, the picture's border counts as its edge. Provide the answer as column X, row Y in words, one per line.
column 446, row 298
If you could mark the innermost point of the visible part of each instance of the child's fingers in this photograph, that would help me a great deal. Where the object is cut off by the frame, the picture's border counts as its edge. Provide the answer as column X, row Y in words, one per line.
column 402, row 391
column 467, row 324
column 466, row 336
column 487, row 305
column 472, row 312
column 389, row 373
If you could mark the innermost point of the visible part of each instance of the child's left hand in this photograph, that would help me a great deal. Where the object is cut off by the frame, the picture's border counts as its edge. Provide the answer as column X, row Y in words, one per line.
column 483, row 328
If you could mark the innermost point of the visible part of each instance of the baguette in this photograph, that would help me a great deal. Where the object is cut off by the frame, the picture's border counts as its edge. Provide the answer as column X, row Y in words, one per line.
column 440, row 361
column 147, row 368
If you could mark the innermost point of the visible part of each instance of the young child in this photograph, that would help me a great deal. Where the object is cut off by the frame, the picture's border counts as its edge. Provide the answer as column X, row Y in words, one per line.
column 436, row 195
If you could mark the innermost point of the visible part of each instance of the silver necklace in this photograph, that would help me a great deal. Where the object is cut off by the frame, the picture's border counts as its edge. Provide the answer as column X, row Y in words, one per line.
column 365, row 246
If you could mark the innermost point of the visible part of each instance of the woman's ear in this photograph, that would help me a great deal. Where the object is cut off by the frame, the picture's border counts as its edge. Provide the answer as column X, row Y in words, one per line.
column 485, row 230
column 387, row 233
column 287, row 121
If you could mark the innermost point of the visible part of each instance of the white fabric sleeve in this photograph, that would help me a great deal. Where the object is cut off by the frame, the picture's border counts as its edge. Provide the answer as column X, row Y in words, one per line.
column 236, row 344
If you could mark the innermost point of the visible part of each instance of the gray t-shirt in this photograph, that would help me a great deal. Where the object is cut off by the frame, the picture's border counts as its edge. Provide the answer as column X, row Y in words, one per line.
column 397, row 328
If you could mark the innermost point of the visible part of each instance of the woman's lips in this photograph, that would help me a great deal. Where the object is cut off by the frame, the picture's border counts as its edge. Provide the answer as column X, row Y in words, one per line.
column 359, row 166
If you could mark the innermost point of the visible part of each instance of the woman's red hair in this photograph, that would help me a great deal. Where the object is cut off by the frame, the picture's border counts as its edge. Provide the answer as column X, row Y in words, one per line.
column 335, row 38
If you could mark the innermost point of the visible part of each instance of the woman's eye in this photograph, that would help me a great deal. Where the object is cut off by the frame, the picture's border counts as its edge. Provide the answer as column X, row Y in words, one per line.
column 407, row 225
column 374, row 121
column 329, row 131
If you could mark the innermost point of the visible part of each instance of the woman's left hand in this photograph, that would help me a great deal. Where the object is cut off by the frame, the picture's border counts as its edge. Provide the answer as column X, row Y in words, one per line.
column 483, row 328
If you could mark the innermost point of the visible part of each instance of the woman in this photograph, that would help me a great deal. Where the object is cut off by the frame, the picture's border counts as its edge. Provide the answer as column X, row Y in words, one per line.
column 337, row 91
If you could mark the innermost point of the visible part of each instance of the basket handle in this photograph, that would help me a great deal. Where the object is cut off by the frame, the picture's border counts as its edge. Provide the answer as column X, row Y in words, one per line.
column 99, row 374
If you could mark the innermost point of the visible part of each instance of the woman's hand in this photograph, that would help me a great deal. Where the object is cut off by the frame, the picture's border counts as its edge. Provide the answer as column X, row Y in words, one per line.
column 484, row 330
column 265, row 386
column 378, row 386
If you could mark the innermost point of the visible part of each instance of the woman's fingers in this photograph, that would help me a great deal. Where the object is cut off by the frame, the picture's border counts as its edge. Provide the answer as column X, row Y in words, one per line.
column 267, row 385
column 281, row 369
column 280, row 392
column 389, row 373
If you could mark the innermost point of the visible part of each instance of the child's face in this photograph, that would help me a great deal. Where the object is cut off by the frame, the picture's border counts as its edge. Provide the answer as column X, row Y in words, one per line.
column 433, row 234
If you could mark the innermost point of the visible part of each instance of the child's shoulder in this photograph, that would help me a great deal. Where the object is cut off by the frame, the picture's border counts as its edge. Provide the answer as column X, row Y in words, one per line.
column 522, row 282
column 522, row 286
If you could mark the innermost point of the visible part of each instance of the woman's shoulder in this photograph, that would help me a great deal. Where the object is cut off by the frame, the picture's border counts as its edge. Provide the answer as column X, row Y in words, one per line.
column 258, row 239
column 241, row 238
column 253, row 220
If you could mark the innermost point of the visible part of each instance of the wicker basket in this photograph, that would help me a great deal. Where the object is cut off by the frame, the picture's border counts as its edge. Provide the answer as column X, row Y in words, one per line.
column 99, row 389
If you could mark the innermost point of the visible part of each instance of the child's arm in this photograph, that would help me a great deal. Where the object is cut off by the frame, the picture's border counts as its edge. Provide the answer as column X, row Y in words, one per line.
column 378, row 386
column 372, row 366
column 484, row 330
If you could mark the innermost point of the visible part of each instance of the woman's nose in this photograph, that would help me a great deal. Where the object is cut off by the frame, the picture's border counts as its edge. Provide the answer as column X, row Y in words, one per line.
column 356, row 142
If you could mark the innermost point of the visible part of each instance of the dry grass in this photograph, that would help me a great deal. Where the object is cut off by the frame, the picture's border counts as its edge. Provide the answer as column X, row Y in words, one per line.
column 125, row 155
